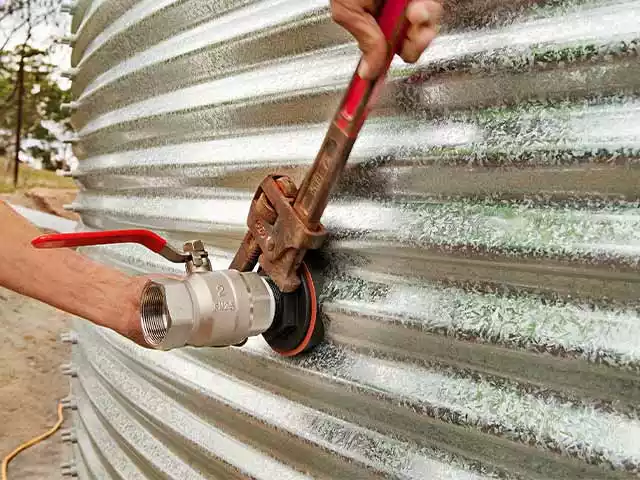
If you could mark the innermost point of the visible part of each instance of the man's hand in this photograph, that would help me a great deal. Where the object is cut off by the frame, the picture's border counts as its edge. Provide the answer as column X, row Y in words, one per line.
column 67, row 280
column 357, row 17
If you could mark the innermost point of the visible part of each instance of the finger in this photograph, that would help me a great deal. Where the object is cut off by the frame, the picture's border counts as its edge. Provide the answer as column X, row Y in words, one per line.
column 424, row 12
column 367, row 33
column 161, row 276
column 418, row 39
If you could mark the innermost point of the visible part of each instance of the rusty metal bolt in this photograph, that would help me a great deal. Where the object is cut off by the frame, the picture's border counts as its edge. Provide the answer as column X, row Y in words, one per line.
column 69, row 403
column 264, row 210
column 69, row 369
column 193, row 246
column 69, row 337
column 199, row 261
column 69, row 107
column 68, row 7
column 68, row 436
column 287, row 186
column 68, row 469
column 69, row 40
column 69, row 73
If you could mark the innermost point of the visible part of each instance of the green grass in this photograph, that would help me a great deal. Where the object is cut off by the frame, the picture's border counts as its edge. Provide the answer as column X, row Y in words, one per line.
column 31, row 178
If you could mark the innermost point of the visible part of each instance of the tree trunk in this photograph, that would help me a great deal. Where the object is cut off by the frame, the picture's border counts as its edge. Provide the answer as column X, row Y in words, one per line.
column 16, row 167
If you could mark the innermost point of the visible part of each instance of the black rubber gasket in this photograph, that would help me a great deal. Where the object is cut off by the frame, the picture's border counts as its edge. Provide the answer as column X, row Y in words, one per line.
column 296, row 327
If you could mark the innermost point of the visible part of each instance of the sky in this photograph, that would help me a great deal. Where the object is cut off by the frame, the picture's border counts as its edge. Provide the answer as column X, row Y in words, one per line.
column 42, row 36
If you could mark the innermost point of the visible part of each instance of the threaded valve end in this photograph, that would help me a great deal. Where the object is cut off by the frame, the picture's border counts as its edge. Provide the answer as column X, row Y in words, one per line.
column 153, row 314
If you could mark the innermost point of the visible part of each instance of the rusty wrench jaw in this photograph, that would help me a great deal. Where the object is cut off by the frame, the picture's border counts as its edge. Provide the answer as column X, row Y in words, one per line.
column 284, row 222
column 277, row 236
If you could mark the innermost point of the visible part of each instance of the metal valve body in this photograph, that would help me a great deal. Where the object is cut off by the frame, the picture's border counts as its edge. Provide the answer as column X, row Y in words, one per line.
column 206, row 309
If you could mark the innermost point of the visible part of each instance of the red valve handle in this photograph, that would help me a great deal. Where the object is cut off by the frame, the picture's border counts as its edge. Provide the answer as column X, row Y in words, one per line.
column 82, row 239
column 152, row 241
column 362, row 94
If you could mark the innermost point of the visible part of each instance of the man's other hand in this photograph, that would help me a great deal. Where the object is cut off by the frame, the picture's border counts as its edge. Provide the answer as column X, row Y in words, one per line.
column 357, row 16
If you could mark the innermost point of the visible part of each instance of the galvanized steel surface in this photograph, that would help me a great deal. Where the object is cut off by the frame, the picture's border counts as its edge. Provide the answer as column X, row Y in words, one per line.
column 480, row 287
column 46, row 220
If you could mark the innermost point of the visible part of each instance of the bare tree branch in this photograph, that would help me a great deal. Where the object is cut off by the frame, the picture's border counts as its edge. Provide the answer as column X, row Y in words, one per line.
column 5, row 15
column 15, row 29
column 28, row 20
column 30, row 24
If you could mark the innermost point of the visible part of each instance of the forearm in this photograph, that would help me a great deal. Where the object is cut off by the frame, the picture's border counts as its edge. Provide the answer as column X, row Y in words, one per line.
column 67, row 280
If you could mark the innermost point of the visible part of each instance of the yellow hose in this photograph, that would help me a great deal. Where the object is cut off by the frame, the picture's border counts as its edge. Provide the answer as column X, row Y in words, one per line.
column 31, row 443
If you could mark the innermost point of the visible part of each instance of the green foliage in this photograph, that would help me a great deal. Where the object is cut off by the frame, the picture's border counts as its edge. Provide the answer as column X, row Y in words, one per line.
column 42, row 99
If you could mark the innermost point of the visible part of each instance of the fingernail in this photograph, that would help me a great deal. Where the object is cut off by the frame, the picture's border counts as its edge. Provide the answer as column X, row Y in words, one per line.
column 424, row 15
column 364, row 70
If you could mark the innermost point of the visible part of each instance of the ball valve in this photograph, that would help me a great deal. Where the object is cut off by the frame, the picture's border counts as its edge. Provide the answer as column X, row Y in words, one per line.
column 210, row 308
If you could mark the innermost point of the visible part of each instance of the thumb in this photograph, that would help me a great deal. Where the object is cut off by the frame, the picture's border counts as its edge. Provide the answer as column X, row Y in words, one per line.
column 362, row 25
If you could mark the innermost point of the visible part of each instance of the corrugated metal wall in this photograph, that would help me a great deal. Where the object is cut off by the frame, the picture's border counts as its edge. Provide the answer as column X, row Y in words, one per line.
column 480, row 287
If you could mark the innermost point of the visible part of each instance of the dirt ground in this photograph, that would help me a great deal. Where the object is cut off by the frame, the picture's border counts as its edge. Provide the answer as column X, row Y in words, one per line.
column 48, row 200
column 31, row 383
column 30, row 380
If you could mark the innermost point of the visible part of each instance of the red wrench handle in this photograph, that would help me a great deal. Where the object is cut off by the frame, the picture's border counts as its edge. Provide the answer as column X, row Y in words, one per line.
column 82, row 239
column 314, row 191
column 362, row 94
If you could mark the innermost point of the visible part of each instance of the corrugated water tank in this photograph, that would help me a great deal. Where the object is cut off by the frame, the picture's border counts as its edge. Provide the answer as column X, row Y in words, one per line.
column 480, row 285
